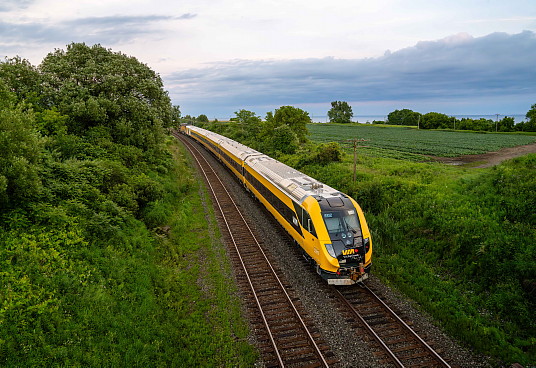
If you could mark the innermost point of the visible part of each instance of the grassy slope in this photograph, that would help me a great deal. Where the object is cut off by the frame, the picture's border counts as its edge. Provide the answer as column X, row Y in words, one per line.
column 458, row 241
column 142, row 299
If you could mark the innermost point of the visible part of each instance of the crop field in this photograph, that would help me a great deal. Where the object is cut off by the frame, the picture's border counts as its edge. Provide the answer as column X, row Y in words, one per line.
column 413, row 144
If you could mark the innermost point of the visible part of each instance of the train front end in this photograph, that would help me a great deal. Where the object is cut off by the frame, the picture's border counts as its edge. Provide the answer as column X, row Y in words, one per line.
column 346, row 240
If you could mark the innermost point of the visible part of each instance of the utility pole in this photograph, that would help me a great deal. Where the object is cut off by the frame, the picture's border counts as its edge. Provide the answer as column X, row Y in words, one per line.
column 355, row 146
column 496, row 122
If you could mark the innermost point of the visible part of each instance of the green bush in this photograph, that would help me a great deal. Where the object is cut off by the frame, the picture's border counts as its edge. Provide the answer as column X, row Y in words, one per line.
column 284, row 140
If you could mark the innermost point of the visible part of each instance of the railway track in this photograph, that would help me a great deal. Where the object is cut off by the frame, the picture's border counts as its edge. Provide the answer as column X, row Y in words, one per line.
column 400, row 346
column 286, row 336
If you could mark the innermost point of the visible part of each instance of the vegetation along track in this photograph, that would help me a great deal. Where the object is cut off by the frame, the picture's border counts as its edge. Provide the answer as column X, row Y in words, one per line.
column 286, row 336
column 400, row 346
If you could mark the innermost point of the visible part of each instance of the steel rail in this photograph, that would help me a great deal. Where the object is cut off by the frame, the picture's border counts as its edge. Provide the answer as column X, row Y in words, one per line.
column 305, row 328
column 408, row 328
column 378, row 339
column 392, row 314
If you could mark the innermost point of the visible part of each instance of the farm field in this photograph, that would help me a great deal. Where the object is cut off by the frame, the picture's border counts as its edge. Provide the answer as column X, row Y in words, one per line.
column 413, row 144
column 457, row 219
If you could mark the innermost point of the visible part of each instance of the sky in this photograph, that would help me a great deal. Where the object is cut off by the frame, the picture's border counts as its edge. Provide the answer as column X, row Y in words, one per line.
column 216, row 57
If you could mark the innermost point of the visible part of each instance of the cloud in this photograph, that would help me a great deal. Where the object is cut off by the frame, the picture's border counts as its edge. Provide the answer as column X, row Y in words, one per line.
column 8, row 5
column 108, row 30
column 455, row 67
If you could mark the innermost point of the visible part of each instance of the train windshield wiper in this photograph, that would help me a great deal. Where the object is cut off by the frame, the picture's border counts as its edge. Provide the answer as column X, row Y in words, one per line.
column 349, row 227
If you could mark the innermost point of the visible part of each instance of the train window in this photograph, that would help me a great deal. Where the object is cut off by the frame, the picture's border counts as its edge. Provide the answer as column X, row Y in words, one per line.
column 305, row 219
column 342, row 221
column 308, row 223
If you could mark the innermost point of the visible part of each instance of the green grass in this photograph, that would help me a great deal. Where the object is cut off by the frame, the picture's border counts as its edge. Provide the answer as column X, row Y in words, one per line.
column 459, row 241
column 159, row 296
column 411, row 143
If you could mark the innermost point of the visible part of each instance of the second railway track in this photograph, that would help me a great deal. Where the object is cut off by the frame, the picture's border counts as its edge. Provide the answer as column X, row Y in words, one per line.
column 286, row 336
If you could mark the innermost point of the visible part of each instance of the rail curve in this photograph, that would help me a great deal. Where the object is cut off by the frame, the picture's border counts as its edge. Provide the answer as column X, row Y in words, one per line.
column 293, row 339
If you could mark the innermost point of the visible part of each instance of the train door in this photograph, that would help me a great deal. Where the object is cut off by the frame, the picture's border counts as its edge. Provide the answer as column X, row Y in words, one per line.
column 311, row 245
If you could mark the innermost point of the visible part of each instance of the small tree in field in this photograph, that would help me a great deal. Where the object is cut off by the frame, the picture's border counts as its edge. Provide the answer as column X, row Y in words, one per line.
column 530, row 125
column 340, row 112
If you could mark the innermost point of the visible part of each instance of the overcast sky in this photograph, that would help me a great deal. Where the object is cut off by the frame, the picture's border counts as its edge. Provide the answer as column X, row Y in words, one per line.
column 219, row 56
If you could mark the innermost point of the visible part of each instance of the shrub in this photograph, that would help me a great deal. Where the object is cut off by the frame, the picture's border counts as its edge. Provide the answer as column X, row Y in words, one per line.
column 284, row 139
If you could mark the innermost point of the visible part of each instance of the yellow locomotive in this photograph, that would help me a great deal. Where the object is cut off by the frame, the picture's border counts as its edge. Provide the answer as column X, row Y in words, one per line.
column 328, row 225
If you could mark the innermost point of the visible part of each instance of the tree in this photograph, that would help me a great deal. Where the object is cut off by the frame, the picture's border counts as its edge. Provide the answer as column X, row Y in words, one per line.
column 294, row 117
column 23, row 80
column 340, row 112
column 436, row 120
column 251, row 123
column 202, row 118
column 176, row 116
column 530, row 124
column 97, row 87
column 404, row 117
column 506, row 124
column 284, row 139
column 20, row 155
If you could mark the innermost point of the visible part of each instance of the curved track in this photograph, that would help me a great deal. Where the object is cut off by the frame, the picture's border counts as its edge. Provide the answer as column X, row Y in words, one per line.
column 400, row 345
column 287, row 337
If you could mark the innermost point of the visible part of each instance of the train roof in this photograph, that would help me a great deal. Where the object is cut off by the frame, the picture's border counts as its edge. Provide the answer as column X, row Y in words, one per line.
column 295, row 183
column 238, row 149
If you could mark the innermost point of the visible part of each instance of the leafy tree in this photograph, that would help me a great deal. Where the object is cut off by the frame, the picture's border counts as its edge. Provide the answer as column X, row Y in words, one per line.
column 340, row 112
column 7, row 98
column 95, row 86
column 475, row 124
column 530, row 125
column 436, row 120
column 404, row 117
column 284, row 139
column 50, row 122
column 250, row 122
column 176, row 115
column 23, row 80
column 506, row 124
column 20, row 155
column 296, row 118
column 202, row 118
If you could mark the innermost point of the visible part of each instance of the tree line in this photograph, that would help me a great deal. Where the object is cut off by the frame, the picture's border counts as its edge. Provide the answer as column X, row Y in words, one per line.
column 341, row 112
column 435, row 120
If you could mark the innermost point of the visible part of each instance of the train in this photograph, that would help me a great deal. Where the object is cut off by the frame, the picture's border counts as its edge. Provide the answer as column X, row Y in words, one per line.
column 328, row 226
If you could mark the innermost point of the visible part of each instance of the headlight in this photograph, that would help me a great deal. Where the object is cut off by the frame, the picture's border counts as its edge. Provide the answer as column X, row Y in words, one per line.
column 331, row 251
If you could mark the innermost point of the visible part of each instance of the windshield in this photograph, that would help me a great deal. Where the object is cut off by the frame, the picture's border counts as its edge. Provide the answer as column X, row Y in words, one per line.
column 342, row 221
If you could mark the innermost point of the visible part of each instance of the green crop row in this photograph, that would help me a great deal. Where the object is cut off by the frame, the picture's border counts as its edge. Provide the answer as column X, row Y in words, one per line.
column 405, row 143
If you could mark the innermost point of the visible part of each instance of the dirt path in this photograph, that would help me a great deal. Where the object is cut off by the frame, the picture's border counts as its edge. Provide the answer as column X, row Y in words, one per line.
column 491, row 158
